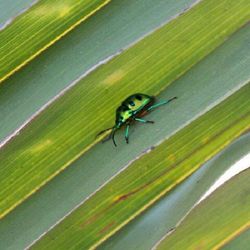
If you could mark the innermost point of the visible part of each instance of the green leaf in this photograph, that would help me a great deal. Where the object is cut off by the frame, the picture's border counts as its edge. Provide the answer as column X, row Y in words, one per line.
column 221, row 215
column 55, row 138
column 117, row 26
column 215, row 77
column 151, row 226
column 239, row 241
column 38, row 28
column 148, row 179
column 9, row 10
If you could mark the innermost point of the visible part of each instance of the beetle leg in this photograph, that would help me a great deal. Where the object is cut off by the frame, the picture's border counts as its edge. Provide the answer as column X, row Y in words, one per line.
column 126, row 133
column 142, row 120
column 113, row 136
column 161, row 103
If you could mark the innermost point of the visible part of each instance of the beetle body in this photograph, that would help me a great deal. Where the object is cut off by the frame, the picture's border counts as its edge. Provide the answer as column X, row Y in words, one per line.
column 134, row 106
column 132, row 109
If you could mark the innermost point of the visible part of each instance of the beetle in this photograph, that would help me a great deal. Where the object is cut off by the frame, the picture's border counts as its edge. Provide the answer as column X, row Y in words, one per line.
column 132, row 109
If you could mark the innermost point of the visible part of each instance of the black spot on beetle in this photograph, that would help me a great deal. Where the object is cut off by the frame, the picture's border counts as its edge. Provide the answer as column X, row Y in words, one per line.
column 131, row 103
column 123, row 108
column 138, row 97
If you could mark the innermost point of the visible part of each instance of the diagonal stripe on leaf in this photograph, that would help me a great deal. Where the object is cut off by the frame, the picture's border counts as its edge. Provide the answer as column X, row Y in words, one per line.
column 231, row 62
column 220, row 216
column 38, row 28
column 67, row 128
column 240, row 240
column 150, row 177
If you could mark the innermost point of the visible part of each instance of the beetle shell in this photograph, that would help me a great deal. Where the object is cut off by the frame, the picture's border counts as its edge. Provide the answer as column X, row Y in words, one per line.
column 132, row 106
column 132, row 109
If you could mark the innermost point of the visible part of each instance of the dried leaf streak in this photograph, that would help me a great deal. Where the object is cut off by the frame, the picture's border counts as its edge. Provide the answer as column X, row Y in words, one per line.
column 124, row 197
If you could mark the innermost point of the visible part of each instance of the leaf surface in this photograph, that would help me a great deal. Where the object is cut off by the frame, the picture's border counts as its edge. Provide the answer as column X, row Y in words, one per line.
column 64, row 131
column 221, row 215
column 38, row 28
column 146, row 180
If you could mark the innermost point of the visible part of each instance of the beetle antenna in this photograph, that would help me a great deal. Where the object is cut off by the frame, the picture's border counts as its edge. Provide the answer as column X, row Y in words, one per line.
column 101, row 132
column 113, row 136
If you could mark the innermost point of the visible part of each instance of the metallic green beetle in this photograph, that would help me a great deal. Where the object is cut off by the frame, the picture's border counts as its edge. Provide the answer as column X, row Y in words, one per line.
column 132, row 109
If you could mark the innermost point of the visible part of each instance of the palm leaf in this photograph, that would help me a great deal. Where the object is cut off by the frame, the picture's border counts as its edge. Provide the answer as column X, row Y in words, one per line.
column 142, row 183
column 217, row 218
column 39, row 27
column 30, row 160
